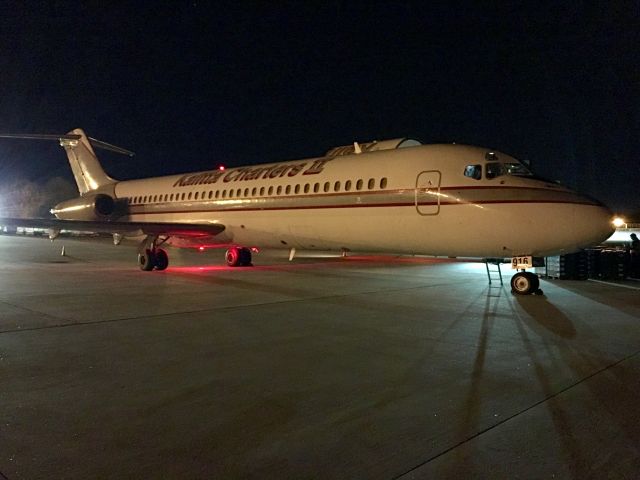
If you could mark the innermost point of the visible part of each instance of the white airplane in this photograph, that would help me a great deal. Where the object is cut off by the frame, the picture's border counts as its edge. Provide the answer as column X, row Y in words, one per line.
column 395, row 196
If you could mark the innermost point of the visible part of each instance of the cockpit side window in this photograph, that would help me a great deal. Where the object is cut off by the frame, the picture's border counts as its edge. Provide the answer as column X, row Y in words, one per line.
column 473, row 171
column 495, row 169
column 518, row 169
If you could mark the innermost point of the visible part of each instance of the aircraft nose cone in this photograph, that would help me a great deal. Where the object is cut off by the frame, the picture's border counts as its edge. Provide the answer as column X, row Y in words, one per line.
column 597, row 221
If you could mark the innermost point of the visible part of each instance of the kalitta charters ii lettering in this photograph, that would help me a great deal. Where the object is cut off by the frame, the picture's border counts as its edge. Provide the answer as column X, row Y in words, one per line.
column 251, row 173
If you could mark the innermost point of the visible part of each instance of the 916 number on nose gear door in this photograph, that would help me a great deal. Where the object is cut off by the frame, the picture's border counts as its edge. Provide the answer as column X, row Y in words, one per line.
column 519, row 263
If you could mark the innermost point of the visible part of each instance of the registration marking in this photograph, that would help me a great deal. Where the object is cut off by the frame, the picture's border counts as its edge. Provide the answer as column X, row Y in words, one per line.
column 519, row 263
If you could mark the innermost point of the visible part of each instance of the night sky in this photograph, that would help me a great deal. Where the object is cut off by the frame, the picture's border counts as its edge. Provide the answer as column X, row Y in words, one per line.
column 189, row 86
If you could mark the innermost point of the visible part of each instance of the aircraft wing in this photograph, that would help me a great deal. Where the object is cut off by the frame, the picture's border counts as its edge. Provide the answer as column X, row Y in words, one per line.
column 124, row 228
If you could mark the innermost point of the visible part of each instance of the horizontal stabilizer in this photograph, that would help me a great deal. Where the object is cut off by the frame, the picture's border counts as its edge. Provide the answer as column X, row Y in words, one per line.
column 94, row 141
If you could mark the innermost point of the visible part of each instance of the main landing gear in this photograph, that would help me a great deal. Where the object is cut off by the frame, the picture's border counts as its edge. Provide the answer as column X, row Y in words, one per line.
column 150, row 256
column 525, row 283
column 238, row 257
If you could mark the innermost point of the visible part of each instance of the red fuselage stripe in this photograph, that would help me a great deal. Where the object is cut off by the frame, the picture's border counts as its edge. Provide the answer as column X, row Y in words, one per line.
column 380, row 205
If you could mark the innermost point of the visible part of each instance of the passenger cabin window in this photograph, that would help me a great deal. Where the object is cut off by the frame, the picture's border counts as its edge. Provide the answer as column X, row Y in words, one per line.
column 473, row 171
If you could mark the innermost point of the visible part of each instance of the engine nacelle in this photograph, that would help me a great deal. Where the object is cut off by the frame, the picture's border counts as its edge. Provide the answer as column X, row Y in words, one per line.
column 89, row 207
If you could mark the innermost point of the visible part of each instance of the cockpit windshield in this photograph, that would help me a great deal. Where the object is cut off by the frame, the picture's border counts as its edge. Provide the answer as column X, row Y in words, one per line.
column 495, row 168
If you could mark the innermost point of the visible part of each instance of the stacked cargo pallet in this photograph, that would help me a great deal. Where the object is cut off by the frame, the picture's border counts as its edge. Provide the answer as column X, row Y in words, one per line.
column 612, row 264
column 605, row 264
column 573, row 266
column 593, row 262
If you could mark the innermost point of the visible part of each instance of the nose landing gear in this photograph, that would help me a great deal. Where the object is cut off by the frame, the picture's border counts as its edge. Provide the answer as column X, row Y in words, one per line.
column 525, row 283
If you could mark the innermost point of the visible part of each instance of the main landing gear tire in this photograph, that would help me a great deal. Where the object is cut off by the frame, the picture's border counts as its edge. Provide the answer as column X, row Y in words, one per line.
column 150, row 259
column 238, row 257
column 146, row 260
column 162, row 259
column 525, row 283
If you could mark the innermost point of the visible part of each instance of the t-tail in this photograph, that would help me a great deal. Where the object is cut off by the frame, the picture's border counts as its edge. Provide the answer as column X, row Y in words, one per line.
column 84, row 163
column 97, row 199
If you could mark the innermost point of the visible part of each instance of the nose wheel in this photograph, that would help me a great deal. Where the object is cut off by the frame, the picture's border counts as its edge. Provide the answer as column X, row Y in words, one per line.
column 525, row 283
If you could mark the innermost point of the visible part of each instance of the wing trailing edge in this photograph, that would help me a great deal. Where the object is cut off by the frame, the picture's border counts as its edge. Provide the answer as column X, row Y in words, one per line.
column 123, row 228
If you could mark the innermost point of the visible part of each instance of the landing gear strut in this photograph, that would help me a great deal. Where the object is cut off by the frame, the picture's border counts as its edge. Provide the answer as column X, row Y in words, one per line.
column 238, row 257
column 150, row 256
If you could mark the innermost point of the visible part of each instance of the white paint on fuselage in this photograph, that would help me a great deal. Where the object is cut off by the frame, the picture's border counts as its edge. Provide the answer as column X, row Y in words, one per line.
column 502, row 221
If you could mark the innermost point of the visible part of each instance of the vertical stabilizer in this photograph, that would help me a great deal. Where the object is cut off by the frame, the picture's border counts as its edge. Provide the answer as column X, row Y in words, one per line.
column 86, row 168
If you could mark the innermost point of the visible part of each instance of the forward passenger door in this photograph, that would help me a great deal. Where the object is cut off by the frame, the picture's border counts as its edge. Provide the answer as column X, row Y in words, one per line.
column 427, row 197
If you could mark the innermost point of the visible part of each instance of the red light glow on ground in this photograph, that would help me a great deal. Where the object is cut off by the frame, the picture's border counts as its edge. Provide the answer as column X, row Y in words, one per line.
column 200, row 269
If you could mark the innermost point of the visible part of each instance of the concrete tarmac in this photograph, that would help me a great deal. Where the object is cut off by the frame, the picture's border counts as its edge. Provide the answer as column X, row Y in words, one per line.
column 364, row 367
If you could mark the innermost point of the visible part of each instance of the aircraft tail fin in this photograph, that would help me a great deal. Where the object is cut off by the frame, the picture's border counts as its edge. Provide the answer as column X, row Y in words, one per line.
column 84, row 163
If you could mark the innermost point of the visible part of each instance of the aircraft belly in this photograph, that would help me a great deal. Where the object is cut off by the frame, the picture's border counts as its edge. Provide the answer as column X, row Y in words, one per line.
column 489, row 230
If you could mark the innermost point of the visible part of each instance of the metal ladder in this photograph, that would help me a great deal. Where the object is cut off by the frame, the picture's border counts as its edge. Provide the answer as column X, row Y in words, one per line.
column 496, row 262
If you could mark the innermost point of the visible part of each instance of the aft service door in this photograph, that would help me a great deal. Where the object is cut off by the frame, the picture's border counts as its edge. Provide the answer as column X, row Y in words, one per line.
column 428, row 192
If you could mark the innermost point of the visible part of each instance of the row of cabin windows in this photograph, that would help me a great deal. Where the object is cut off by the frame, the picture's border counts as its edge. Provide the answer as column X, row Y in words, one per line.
column 261, row 192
